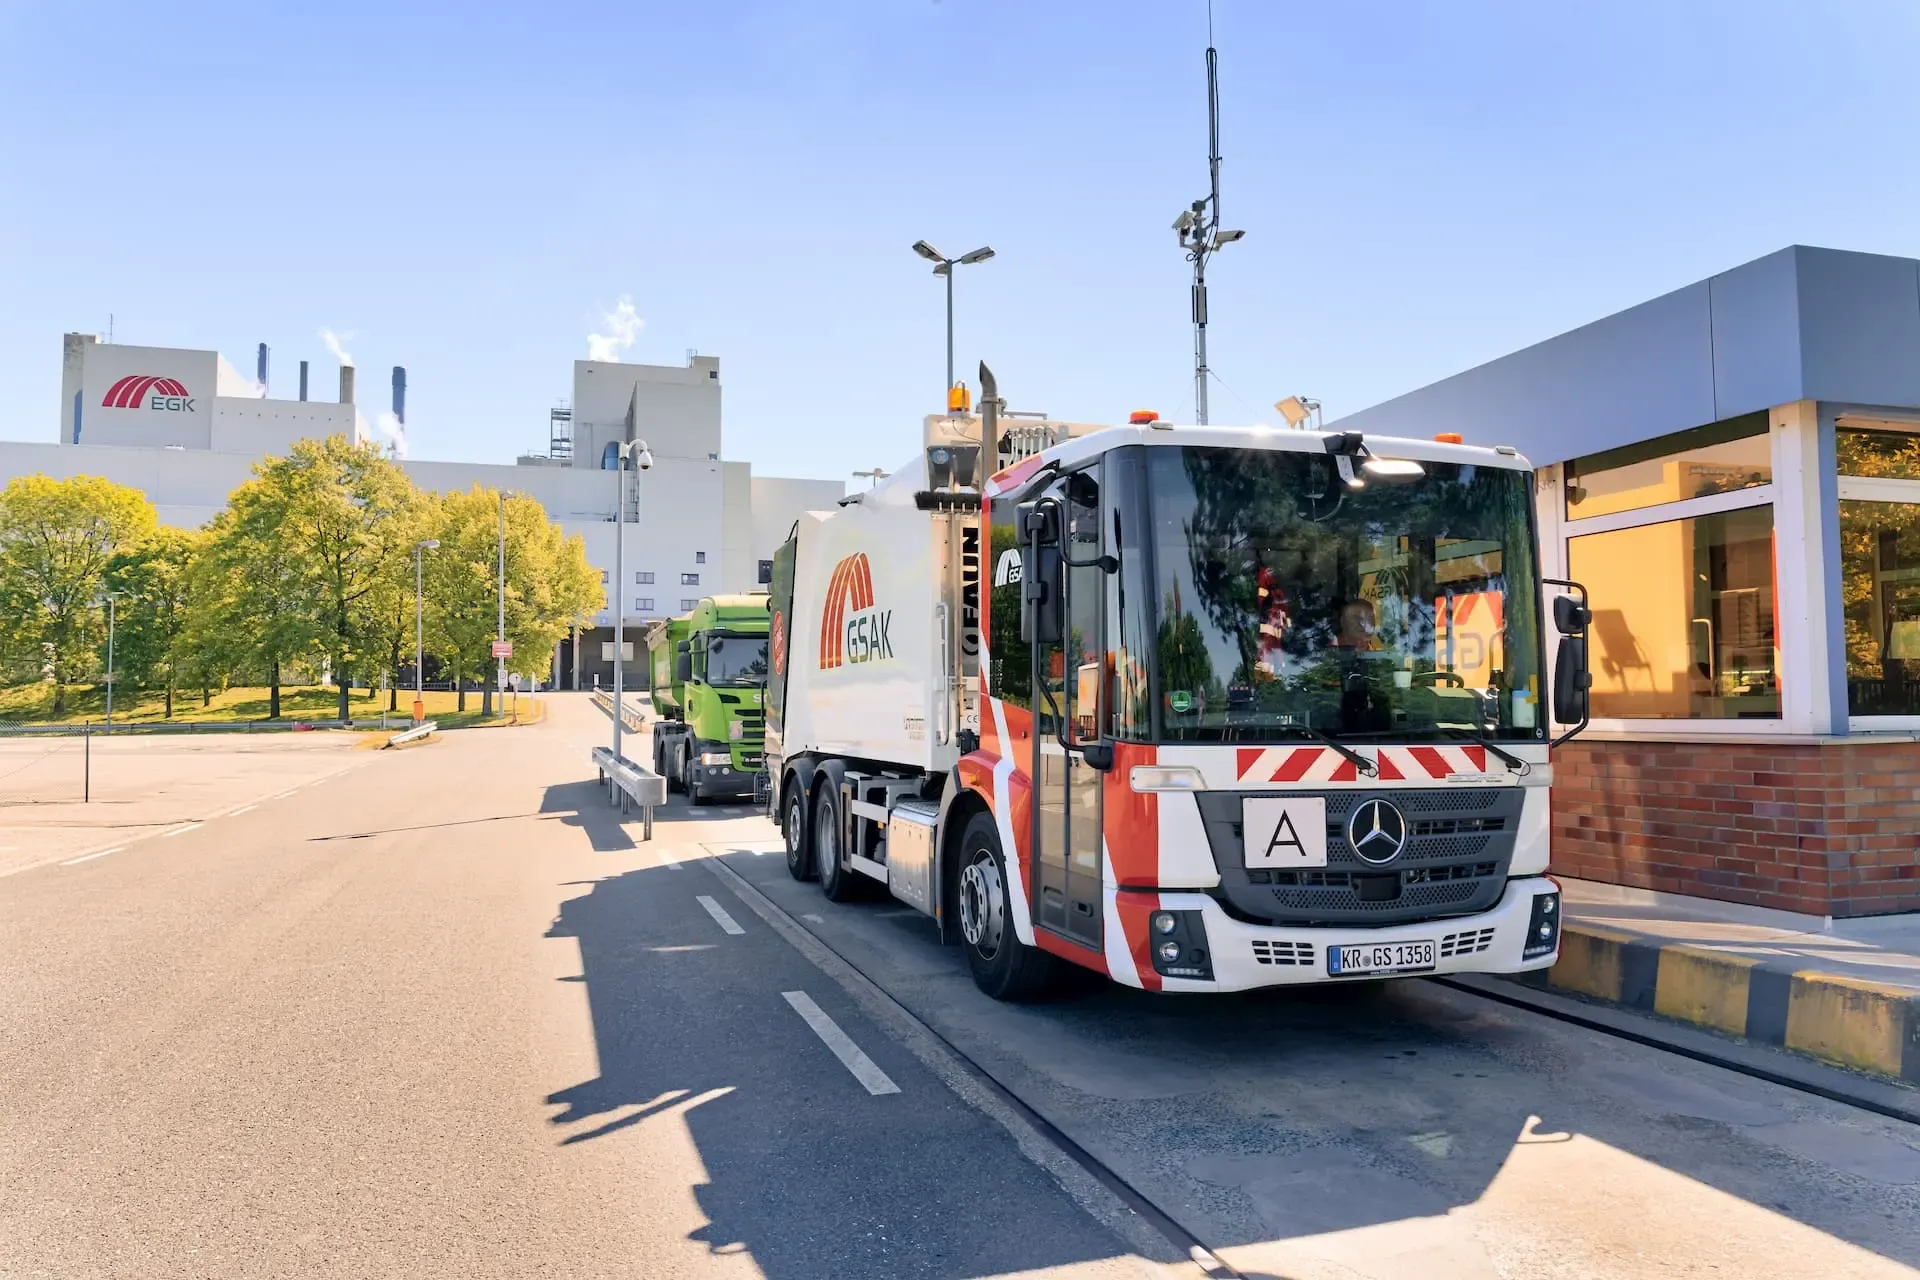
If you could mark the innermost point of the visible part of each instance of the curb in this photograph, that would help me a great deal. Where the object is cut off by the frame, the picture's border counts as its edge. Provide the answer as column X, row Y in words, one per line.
column 1869, row 1026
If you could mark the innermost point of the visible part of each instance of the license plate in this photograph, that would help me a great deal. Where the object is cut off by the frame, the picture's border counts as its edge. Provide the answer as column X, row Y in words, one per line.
column 1380, row 957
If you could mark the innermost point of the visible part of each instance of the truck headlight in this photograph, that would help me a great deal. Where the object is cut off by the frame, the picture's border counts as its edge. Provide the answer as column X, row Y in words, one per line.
column 1543, row 927
column 711, row 758
column 736, row 729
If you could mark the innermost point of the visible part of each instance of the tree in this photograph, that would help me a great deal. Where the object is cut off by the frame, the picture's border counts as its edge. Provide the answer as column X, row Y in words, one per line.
column 249, row 591
column 56, row 539
column 153, row 580
column 550, row 585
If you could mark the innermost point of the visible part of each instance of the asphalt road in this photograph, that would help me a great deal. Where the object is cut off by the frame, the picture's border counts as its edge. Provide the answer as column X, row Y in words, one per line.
column 440, row 1015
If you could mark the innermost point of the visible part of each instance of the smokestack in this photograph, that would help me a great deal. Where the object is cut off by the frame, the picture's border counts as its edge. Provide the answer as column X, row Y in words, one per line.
column 261, row 376
column 346, row 384
column 400, row 395
column 303, row 379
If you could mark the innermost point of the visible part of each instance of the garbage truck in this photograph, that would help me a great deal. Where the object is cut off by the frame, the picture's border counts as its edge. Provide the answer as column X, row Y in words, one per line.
column 709, row 675
column 1199, row 708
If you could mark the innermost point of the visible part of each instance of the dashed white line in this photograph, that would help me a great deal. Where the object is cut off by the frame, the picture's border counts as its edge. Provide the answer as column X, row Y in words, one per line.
column 181, row 830
column 864, row 1069
column 808, row 915
column 242, row 809
column 284, row 794
column 74, row 862
column 720, row 917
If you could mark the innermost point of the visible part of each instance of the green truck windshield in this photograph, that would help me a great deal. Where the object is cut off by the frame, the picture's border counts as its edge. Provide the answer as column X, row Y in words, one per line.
column 737, row 661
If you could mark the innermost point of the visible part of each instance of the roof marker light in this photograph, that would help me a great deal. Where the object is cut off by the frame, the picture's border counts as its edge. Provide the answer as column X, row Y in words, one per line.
column 1450, row 437
column 1141, row 417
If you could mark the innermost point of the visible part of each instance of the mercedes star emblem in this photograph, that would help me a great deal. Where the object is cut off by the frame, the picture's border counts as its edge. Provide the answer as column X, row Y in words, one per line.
column 1377, row 831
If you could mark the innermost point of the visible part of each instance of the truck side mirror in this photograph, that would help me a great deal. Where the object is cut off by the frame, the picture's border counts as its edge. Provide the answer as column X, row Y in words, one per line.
column 1572, row 681
column 1043, row 605
column 683, row 666
column 1570, row 616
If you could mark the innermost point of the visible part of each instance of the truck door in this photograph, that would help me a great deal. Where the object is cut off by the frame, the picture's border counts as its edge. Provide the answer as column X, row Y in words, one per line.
column 1067, row 792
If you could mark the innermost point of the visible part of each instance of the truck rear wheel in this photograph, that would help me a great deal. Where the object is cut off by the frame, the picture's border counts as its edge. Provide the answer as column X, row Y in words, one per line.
column 793, row 829
column 836, row 879
column 1003, row 966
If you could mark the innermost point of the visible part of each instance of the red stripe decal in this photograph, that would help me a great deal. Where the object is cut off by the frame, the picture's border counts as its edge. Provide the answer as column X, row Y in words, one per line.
column 1243, row 761
column 1478, row 757
column 1295, row 766
column 1389, row 771
column 1431, row 760
column 1345, row 771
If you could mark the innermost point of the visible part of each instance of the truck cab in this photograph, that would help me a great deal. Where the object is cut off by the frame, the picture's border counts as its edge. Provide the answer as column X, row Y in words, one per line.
column 709, row 670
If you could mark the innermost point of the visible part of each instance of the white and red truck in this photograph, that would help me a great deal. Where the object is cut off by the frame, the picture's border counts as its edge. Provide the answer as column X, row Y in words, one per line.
column 1199, row 708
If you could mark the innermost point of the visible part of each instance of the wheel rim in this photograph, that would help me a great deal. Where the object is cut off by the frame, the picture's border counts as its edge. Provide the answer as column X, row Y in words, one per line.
column 791, row 828
column 983, row 904
column 826, row 841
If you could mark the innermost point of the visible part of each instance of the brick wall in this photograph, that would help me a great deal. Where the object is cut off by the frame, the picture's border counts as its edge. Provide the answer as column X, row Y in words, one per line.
column 1830, row 830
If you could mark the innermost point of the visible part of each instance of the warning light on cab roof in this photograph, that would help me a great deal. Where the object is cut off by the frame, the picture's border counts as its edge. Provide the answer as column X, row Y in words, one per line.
column 1450, row 437
column 1141, row 417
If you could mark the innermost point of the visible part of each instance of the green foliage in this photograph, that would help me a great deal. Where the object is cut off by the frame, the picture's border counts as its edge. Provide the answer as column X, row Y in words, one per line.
column 151, row 615
column 57, row 538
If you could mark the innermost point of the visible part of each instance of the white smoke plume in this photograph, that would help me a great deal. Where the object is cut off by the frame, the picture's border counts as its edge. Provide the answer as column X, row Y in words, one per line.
column 333, row 341
column 396, row 433
column 623, row 330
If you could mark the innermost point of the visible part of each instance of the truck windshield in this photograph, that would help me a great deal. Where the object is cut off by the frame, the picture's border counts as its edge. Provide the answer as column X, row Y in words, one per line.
column 737, row 661
column 1405, row 608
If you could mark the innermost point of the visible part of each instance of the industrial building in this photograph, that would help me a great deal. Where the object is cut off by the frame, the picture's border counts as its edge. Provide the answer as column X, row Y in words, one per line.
column 1733, row 471
column 185, row 427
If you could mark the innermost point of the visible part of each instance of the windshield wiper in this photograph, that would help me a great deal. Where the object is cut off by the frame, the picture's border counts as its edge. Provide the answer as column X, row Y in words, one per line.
column 1358, row 761
column 1493, row 748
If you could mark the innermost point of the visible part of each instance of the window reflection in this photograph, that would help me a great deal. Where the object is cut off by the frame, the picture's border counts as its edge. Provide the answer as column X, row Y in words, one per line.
column 1887, row 455
column 1720, row 458
column 1683, row 624
column 1880, row 591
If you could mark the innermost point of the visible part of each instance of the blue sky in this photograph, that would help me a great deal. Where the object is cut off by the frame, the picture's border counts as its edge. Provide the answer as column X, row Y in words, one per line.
column 467, row 189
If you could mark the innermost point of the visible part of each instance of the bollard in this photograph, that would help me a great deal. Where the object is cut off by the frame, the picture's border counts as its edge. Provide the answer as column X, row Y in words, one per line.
column 86, row 769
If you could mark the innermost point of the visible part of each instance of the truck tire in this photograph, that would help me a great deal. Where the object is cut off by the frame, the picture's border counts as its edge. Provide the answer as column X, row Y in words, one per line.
column 677, row 776
column 1003, row 966
column 838, row 881
column 795, row 832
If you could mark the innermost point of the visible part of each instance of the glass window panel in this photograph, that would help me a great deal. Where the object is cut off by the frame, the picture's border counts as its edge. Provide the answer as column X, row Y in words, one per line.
column 1880, row 592
column 1683, row 617
column 1720, row 458
column 1889, row 455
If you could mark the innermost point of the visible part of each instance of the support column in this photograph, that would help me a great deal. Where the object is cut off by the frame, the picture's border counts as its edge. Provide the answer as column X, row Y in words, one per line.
column 1810, row 625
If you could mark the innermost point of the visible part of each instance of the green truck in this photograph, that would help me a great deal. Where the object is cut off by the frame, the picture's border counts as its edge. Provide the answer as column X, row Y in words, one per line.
column 709, row 669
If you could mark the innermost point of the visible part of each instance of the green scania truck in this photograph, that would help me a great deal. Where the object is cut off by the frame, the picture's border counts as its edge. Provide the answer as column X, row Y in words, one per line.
column 709, row 669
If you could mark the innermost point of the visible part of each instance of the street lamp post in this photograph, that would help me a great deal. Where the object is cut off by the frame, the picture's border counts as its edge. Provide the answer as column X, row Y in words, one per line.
column 111, row 597
column 420, row 549
column 943, row 266
column 632, row 454
column 500, row 669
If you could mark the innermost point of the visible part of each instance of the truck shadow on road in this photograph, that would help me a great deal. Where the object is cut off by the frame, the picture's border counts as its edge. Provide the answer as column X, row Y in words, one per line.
column 804, row 1171
column 585, row 806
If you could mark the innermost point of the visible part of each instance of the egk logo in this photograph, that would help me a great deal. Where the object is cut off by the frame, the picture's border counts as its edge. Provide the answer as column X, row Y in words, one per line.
column 150, row 391
column 851, row 628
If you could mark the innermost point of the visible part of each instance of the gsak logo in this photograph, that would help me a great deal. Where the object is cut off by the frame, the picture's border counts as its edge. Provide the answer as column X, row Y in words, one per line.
column 851, row 628
column 146, row 390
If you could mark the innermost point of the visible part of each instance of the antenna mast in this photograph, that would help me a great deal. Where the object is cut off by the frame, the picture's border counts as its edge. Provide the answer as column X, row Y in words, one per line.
column 1198, row 227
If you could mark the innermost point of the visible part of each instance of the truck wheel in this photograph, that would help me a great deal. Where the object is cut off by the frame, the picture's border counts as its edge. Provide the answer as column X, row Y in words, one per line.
column 677, row 779
column 836, row 880
column 793, row 829
column 1003, row 966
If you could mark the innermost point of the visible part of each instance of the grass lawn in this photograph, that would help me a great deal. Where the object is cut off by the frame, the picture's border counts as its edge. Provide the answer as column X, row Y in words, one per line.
column 33, row 704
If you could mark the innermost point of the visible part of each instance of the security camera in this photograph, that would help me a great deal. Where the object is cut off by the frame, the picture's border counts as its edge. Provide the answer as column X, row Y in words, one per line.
column 643, row 456
column 1184, row 221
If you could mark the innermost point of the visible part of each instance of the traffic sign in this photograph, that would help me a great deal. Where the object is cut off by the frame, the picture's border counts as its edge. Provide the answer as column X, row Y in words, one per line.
column 503, row 648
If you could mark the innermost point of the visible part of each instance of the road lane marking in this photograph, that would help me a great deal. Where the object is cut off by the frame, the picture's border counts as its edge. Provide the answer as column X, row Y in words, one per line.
column 284, row 794
column 74, row 862
column 672, row 863
column 243, row 809
column 810, row 916
column 191, row 826
column 720, row 917
column 864, row 1069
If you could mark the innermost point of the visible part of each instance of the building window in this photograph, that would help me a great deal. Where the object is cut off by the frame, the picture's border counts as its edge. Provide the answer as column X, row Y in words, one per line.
column 687, row 602
column 1683, row 621
column 1879, row 455
column 699, row 557
column 766, row 573
column 1718, row 458
column 643, row 579
column 1880, row 595
column 689, row 579
column 643, row 604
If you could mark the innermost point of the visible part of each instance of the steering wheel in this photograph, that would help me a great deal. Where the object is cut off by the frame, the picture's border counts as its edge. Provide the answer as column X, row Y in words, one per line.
column 1453, row 678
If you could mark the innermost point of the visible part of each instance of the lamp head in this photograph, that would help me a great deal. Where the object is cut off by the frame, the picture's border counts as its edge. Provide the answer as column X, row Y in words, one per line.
column 928, row 252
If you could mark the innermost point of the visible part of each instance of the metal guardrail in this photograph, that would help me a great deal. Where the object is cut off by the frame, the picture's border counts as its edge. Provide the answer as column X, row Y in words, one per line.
column 630, row 784
column 629, row 716
column 74, row 730
column 424, row 729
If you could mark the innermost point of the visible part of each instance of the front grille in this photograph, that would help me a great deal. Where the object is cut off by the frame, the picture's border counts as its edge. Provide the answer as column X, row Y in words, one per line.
column 1465, row 944
column 1265, row 952
column 1459, row 844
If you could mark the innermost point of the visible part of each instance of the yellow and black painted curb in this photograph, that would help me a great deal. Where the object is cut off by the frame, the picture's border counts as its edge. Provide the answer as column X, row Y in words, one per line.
column 1855, row 1022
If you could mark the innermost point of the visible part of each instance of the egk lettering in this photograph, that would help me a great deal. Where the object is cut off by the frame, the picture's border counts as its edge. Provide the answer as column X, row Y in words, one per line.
column 170, row 402
column 868, row 638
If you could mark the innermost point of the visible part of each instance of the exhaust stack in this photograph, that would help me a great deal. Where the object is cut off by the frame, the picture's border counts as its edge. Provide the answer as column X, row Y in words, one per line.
column 303, row 379
column 400, row 395
column 346, row 384
column 260, row 374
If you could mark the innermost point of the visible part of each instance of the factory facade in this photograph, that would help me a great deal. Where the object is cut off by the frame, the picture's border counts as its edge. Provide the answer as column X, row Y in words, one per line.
column 186, row 428
column 1732, row 470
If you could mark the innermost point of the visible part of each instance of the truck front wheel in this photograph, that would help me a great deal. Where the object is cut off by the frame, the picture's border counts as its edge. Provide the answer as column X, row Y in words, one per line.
column 1003, row 966
column 836, row 879
column 793, row 829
